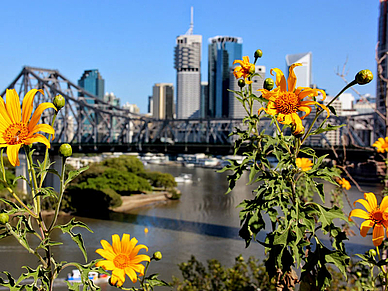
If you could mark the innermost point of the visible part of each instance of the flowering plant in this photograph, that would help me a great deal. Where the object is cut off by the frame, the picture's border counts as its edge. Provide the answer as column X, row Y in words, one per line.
column 295, row 225
column 25, row 222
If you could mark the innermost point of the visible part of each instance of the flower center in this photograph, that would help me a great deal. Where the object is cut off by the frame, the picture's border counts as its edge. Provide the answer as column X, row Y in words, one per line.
column 16, row 133
column 377, row 216
column 121, row 261
column 287, row 103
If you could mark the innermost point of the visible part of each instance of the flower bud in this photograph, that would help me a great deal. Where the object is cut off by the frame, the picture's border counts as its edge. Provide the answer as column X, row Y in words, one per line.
column 258, row 54
column 364, row 77
column 157, row 256
column 241, row 83
column 268, row 84
column 4, row 218
column 59, row 102
column 65, row 150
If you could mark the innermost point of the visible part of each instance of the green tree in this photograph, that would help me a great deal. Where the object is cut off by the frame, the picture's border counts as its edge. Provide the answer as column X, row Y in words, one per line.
column 160, row 180
column 125, row 164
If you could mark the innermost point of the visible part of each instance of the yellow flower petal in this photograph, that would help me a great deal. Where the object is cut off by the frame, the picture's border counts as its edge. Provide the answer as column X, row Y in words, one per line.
column 131, row 274
column 106, row 254
column 365, row 226
column 136, row 250
column 364, row 203
column 43, row 127
column 292, row 77
column 116, row 244
column 37, row 138
column 37, row 114
column 13, row 105
column 371, row 198
column 384, row 204
column 280, row 79
column 358, row 213
column 378, row 235
column 125, row 243
column 13, row 154
column 28, row 105
column 106, row 264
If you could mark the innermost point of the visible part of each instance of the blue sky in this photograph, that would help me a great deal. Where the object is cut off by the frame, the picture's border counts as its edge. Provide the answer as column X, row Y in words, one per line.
column 131, row 43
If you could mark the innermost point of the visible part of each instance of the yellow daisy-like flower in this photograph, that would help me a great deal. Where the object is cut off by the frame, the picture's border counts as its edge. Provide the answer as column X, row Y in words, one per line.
column 285, row 102
column 122, row 258
column 16, row 127
column 245, row 70
column 382, row 145
column 375, row 216
column 304, row 164
column 344, row 183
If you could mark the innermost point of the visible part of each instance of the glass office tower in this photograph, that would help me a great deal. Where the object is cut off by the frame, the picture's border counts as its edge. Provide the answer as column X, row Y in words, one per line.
column 223, row 50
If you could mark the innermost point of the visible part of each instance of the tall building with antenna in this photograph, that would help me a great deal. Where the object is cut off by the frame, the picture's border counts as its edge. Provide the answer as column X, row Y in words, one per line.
column 188, row 78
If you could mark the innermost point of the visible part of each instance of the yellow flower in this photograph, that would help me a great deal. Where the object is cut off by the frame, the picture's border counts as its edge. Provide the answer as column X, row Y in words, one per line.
column 375, row 216
column 286, row 103
column 304, row 164
column 381, row 144
column 122, row 258
column 245, row 70
column 344, row 183
column 16, row 127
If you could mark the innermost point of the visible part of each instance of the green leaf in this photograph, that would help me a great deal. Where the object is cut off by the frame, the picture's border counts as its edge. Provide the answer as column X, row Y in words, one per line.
column 320, row 191
column 73, row 174
column 329, row 127
column 327, row 215
column 153, row 280
column 77, row 238
column 332, row 109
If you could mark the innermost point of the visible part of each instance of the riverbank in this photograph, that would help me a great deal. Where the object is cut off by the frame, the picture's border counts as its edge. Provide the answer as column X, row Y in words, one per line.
column 140, row 200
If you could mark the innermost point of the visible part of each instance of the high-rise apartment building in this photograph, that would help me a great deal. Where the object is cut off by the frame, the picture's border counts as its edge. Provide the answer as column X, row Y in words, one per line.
column 223, row 50
column 382, row 49
column 188, row 68
column 303, row 73
column 163, row 101
column 236, row 109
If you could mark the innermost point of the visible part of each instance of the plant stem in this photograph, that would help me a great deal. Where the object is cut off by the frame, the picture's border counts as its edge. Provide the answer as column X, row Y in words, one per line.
column 321, row 110
column 61, row 190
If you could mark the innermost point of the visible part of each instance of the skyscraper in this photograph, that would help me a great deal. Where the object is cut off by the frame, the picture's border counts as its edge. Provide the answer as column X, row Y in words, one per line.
column 223, row 50
column 188, row 68
column 236, row 110
column 303, row 73
column 382, row 49
column 163, row 101
column 92, row 82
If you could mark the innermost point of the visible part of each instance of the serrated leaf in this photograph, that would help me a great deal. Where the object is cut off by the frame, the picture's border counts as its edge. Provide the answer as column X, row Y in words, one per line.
column 77, row 238
column 327, row 215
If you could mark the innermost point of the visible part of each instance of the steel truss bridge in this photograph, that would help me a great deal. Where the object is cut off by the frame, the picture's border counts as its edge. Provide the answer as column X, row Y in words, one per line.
column 89, row 123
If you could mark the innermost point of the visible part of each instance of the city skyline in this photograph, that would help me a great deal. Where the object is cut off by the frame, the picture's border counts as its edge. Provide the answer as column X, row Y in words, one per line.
column 131, row 44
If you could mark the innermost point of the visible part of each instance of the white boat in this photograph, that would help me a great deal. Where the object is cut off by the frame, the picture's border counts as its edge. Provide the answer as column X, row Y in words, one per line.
column 184, row 178
column 97, row 278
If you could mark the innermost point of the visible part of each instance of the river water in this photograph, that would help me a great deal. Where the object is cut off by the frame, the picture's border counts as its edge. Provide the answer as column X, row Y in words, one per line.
column 204, row 222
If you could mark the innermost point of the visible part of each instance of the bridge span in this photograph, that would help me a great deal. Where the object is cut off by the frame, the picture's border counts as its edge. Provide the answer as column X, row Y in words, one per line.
column 90, row 124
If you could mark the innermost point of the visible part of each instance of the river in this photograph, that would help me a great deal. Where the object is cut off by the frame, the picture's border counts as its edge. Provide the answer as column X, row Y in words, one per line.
column 204, row 222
